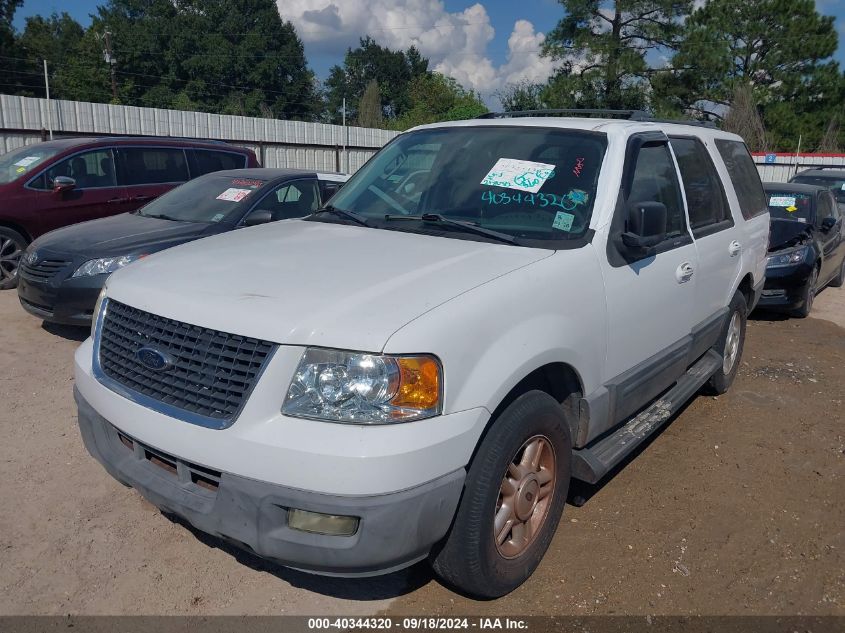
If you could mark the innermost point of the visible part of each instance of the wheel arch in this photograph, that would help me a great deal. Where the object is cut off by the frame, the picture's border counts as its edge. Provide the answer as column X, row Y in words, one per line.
column 7, row 224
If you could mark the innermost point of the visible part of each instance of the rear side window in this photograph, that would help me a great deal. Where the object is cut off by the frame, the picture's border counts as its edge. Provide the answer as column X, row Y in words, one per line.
column 89, row 170
column 207, row 161
column 706, row 201
column 291, row 200
column 151, row 165
column 655, row 180
column 744, row 176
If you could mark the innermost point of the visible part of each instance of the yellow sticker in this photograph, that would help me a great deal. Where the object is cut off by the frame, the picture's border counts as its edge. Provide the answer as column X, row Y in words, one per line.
column 20, row 170
column 792, row 209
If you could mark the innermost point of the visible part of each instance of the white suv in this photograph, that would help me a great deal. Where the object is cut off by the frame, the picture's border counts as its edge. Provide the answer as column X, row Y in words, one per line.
column 486, row 310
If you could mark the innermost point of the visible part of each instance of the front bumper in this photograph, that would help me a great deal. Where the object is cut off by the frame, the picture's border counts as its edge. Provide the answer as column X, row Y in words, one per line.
column 785, row 287
column 395, row 529
column 66, row 301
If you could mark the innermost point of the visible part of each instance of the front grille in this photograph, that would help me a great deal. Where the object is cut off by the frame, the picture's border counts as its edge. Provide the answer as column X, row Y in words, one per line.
column 43, row 270
column 211, row 375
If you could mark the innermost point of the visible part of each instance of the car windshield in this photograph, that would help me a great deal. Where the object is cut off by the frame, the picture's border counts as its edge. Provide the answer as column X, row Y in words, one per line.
column 790, row 205
column 24, row 160
column 535, row 184
column 835, row 183
column 210, row 199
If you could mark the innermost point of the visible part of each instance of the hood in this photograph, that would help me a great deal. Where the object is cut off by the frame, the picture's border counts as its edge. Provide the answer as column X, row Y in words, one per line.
column 788, row 233
column 122, row 234
column 313, row 283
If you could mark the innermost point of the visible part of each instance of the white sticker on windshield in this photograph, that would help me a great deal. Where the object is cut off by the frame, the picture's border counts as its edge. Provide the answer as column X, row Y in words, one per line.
column 782, row 201
column 218, row 216
column 26, row 162
column 563, row 221
column 233, row 194
column 523, row 175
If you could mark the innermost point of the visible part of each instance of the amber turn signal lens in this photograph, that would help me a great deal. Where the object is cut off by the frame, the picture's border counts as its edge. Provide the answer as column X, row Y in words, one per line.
column 419, row 383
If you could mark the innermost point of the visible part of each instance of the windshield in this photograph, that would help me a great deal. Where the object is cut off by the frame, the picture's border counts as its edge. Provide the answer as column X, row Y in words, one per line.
column 835, row 183
column 209, row 199
column 22, row 161
column 531, row 183
column 790, row 205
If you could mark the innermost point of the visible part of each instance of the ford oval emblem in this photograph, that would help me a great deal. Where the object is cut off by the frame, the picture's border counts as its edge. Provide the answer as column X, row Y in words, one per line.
column 154, row 359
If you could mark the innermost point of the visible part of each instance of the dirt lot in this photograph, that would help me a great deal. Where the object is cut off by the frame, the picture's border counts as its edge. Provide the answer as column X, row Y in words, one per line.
column 735, row 508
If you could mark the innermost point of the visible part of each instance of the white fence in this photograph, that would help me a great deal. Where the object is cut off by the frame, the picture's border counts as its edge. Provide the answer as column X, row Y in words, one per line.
column 779, row 167
column 25, row 120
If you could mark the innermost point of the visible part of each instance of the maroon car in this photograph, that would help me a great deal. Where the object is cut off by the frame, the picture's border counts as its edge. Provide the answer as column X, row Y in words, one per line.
column 53, row 184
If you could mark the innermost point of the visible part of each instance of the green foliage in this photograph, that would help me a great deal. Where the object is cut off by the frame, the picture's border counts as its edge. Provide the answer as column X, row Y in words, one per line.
column 781, row 48
column 369, row 108
column 393, row 70
column 603, row 46
column 522, row 96
column 435, row 97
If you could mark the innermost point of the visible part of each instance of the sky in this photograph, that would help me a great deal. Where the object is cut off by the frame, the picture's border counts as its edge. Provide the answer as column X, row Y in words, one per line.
column 484, row 44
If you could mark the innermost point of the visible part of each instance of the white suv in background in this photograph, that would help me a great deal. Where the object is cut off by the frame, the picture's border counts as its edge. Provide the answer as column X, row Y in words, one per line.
column 486, row 310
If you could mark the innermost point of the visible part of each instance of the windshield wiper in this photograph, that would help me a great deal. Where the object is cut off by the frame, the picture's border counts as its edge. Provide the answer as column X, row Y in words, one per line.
column 468, row 226
column 343, row 213
column 161, row 216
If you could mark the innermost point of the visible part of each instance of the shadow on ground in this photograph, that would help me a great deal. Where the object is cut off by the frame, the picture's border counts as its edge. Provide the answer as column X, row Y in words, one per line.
column 67, row 332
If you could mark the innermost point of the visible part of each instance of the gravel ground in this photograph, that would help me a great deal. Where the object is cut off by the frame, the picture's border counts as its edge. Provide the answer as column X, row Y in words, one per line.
column 735, row 508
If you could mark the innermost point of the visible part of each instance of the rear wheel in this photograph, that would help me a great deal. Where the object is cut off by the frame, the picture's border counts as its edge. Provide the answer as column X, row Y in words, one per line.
column 730, row 346
column 809, row 295
column 513, row 498
column 12, row 246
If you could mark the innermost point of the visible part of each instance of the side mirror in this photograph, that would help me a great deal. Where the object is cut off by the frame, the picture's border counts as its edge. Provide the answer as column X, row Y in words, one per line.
column 63, row 183
column 828, row 224
column 258, row 217
column 646, row 226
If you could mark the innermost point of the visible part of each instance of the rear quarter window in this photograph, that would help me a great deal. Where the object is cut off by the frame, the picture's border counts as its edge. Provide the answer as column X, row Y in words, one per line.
column 744, row 177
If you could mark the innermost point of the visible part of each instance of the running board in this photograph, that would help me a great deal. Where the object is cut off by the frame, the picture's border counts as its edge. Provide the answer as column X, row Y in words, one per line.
column 593, row 462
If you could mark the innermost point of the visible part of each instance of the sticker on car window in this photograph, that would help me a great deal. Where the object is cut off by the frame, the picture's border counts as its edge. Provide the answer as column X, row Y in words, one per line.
column 563, row 221
column 233, row 194
column 782, row 201
column 218, row 216
column 523, row 175
column 792, row 208
column 26, row 162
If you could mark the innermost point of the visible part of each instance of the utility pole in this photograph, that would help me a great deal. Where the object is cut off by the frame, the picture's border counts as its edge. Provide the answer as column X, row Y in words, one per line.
column 49, row 106
column 110, row 60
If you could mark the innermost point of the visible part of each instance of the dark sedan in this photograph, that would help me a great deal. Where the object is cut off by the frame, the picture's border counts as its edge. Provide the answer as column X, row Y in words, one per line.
column 62, row 272
column 806, row 246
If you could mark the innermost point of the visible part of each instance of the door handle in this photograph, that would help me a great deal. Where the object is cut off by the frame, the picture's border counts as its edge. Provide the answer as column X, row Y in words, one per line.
column 118, row 200
column 735, row 248
column 684, row 273
column 141, row 198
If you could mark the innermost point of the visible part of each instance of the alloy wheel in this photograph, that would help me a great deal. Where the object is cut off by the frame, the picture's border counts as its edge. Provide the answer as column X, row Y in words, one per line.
column 732, row 343
column 10, row 256
column 525, row 495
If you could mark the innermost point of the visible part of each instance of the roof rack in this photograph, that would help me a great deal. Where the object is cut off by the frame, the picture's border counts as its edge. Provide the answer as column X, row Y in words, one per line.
column 630, row 115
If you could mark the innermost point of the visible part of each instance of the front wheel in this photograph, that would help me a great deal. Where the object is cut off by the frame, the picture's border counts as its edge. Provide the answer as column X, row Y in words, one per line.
column 730, row 346
column 839, row 280
column 809, row 296
column 513, row 497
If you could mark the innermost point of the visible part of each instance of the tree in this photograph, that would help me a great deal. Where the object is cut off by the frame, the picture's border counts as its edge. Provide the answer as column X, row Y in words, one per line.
column 393, row 70
column 435, row 97
column 11, row 78
column 229, row 56
column 523, row 95
column 744, row 119
column 781, row 48
column 604, row 46
column 369, row 108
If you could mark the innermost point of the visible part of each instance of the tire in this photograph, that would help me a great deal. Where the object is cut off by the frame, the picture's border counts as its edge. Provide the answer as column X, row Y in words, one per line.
column 730, row 345
column 809, row 296
column 12, row 246
column 469, row 558
column 839, row 280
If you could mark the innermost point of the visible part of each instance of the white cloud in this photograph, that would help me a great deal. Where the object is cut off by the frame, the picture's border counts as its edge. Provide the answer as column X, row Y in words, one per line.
column 455, row 42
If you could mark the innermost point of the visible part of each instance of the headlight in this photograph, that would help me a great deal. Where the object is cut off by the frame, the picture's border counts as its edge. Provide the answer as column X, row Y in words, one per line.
column 360, row 388
column 104, row 265
column 787, row 258
column 96, row 315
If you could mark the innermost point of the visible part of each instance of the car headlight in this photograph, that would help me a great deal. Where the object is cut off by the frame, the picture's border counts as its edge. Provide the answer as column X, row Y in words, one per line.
column 787, row 258
column 361, row 388
column 104, row 265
